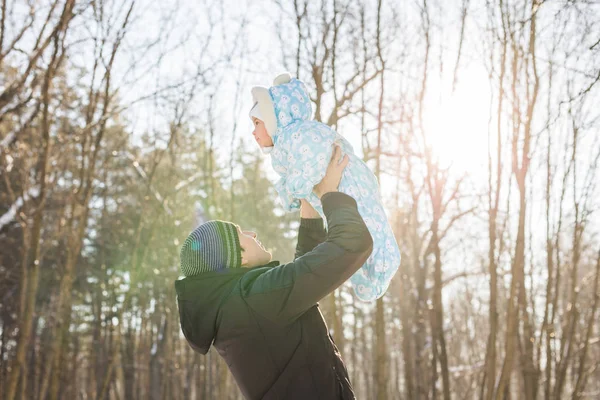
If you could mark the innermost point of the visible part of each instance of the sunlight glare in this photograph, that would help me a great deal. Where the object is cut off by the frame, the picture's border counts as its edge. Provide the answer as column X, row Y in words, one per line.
column 456, row 123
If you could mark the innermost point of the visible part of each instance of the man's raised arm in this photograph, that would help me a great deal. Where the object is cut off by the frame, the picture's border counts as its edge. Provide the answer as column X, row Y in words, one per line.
column 311, row 232
column 285, row 292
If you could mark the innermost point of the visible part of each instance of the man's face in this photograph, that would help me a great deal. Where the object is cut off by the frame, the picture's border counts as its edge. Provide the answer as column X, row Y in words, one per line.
column 260, row 133
column 253, row 252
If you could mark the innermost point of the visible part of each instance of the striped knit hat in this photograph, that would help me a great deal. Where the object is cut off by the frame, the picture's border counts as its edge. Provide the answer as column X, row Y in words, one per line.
column 212, row 246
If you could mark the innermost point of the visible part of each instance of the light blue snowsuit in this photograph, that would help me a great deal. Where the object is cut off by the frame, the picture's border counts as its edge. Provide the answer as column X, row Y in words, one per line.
column 300, row 155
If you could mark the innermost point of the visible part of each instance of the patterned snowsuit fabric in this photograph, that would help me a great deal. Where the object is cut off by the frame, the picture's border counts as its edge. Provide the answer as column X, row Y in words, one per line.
column 301, row 153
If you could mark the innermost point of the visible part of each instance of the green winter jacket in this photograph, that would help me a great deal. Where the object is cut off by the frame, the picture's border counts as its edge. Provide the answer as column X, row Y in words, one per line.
column 265, row 321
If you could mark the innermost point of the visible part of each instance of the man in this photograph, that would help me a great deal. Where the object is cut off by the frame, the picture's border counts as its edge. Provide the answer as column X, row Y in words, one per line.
column 262, row 317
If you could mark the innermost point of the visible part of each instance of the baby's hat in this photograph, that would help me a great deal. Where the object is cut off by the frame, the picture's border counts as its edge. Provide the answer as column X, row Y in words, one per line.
column 255, row 112
column 263, row 107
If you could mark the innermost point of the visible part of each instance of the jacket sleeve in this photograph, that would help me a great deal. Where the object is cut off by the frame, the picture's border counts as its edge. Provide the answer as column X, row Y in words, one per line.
column 284, row 292
column 310, row 234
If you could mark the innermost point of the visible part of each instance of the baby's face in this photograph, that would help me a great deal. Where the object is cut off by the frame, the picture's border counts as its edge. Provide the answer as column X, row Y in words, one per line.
column 260, row 133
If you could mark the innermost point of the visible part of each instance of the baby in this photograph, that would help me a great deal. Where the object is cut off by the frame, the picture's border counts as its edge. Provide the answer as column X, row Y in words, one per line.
column 300, row 150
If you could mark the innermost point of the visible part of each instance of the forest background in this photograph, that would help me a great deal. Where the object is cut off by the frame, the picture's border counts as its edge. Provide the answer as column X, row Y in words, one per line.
column 124, row 123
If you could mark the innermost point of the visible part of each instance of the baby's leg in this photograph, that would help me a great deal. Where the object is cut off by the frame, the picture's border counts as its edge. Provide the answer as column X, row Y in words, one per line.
column 373, row 279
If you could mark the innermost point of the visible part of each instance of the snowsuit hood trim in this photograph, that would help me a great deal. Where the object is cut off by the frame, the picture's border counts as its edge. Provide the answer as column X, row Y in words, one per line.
column 275, row 107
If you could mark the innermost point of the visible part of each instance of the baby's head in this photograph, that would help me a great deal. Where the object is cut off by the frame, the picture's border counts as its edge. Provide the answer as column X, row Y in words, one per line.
column 260, row 133
column 263, row 113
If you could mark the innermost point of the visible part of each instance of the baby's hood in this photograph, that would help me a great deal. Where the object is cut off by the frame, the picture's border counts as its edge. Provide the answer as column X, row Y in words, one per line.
column 291, row 102
column 282, row 104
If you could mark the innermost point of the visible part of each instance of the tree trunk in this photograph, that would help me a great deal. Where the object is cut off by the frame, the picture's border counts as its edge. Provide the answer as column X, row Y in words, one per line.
column 439, row 316
column 407, row 336
column 381, row 363
column 581, row 375
column 31, row 263
column 490, row 360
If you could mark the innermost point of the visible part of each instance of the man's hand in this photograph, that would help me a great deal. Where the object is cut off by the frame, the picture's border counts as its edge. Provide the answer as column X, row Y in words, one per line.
column 332, row 177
